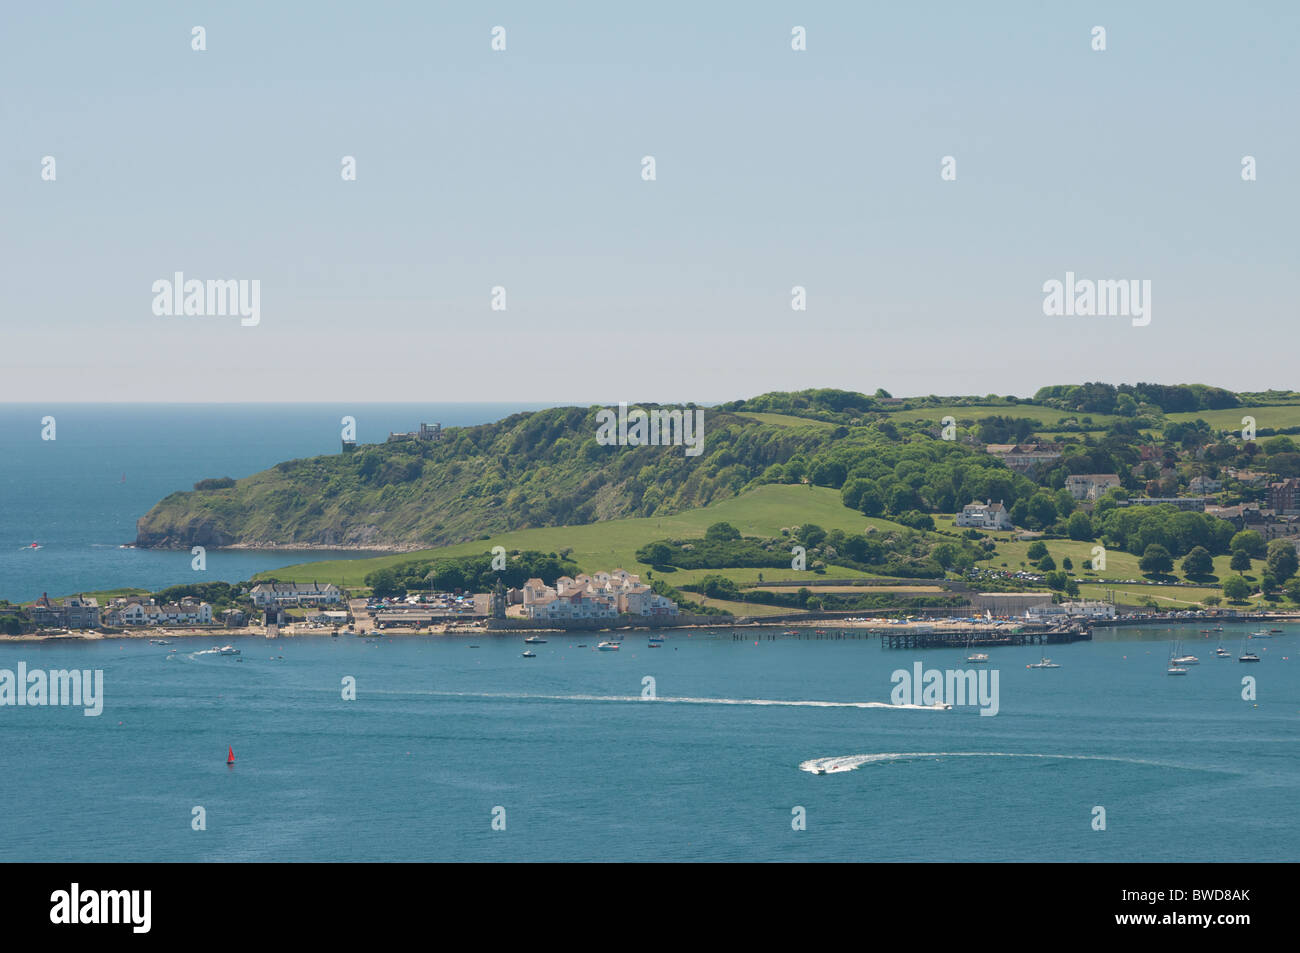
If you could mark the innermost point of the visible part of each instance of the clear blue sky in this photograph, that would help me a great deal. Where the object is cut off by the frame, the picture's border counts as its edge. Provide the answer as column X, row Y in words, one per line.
column 522, row 169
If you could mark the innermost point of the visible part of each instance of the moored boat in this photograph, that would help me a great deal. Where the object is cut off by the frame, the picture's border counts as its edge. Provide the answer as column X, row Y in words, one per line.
column 1044, row 663
column 608, row 646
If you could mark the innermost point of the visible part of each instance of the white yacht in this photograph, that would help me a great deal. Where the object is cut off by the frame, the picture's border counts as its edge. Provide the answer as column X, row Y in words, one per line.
column 608, row 646
column 229, row 650
column 977, row 657
column 1045, row 663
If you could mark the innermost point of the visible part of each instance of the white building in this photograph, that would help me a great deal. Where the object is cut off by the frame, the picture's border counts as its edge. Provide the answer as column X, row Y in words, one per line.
column 600, row 595
column 269, row 594
column 987, row 515
column 1090, row 486
column 1074, row 610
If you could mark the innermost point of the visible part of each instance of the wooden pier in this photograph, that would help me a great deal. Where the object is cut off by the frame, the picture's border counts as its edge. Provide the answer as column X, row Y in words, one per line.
column 983, row 638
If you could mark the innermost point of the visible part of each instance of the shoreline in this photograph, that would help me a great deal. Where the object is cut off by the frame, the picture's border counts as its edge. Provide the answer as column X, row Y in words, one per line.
column 872, row 626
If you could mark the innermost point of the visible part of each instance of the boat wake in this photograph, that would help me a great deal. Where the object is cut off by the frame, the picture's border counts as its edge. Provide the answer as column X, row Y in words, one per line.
column 852, row 762
column 683, row 700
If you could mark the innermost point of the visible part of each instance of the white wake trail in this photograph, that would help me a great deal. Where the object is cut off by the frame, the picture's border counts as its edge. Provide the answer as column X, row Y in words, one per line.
column 852, row 762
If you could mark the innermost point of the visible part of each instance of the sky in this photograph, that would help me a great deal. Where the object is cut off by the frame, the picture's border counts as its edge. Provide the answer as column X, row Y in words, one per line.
column 522, row 169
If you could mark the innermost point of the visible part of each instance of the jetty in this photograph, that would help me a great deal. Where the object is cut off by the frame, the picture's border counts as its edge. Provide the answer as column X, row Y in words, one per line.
column 923, row 637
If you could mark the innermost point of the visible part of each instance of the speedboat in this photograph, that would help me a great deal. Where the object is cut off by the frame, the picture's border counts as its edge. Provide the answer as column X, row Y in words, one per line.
column 159, row 642
column 535, row 640
column 229, row 650
column 608, row 646
column 528, row 654
column 977, row 657
column 1045, row 663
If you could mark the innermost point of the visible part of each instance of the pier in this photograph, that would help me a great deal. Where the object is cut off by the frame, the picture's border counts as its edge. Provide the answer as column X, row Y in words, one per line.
column 921, row 638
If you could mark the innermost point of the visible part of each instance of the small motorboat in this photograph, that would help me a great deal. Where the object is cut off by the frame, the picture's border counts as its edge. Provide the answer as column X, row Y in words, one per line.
column 1261, row 634
column 977, row 657
column 1045, row 662
column 528, row 654
column 535, row 640
column 228, row 650
column 1177, row 670
column 608, row 646
column 1275, row 631
column 159, row 642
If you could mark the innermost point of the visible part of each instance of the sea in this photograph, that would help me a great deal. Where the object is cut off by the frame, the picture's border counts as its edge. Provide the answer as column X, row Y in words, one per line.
column 78, row 496
column 458, row 748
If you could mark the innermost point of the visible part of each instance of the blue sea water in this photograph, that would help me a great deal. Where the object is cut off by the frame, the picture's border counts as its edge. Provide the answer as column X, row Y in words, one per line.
column 79, row 495
column 441, row 734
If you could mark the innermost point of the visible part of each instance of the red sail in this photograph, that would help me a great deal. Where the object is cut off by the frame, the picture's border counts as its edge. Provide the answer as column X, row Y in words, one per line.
column 230, row 758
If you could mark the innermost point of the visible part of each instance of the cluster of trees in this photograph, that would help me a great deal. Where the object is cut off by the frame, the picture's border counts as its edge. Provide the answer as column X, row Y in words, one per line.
column 1135, row 528
column 215, row 483
column 723, row 547
column 903, row 553
column 720, row 587
column 1099, row 398
column 219, row 595
column 468, row 573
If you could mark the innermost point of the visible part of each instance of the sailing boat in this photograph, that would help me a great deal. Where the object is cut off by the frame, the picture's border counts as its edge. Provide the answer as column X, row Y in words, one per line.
column 1174, row 667
column 978, row 656
column 230, row 758
column 1183, row 659
column 1221, row 652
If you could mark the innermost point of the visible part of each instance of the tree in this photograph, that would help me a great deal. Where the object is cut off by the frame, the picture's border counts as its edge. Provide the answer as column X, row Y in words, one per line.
column 1282, row 559
column 810, row 534
column 1212, row 600
column 1156, row 560
column 1198, row 562
column 721, row 532
column 1036, row 550
column 870, row 502
column 1250, row 542
column 659, row 554
column 1240, row 561
column 1079, row 526
column 1236, row 589
column 1047, row 563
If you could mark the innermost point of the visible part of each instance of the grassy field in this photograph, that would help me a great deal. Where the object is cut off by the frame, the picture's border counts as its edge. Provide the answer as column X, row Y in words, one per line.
column 1120, row 565
column 1048, row 415
column 612, row 544
column 1166, row 597
column 784, row 420
column 1277, row 417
